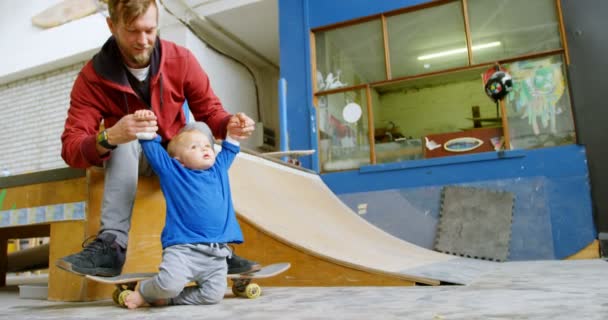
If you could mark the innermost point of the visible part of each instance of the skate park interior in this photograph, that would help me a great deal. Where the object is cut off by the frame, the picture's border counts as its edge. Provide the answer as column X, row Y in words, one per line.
column 371, row 225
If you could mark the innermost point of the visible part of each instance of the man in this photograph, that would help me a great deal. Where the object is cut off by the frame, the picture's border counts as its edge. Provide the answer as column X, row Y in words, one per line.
column 134, row 70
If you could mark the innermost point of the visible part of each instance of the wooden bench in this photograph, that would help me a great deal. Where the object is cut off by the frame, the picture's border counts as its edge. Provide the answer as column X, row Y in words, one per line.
column 19, row 232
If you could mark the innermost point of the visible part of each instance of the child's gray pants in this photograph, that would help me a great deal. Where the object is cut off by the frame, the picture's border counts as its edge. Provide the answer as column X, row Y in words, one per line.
column 204, row 264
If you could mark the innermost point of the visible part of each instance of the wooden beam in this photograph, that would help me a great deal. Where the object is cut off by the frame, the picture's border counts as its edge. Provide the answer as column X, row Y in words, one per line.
column 66, row 239
column 370, row 125
column 17, row 232
column 591, row 251
column 387, row 55
column 505, row 125
column 562, row 30
column 467, row 31
column 306, row 269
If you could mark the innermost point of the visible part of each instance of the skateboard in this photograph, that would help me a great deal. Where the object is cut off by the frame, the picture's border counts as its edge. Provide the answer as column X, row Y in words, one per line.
column 65, row 11
column 291, row 155
column 242, row 284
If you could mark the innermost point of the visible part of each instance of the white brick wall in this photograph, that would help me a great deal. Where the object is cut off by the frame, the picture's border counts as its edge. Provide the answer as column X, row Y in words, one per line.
column 32, row 115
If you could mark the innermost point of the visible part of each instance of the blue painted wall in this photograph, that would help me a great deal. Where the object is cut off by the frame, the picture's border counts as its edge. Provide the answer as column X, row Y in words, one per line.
column 323, row 12
column 296, row 18
column 552, row 217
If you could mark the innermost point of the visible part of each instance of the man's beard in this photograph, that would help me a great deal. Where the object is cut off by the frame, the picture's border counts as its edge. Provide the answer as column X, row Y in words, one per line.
column 143, row 58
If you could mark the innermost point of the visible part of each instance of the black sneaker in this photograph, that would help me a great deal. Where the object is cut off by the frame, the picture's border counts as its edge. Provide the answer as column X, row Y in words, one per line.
column 238, row 265
column 101, row 257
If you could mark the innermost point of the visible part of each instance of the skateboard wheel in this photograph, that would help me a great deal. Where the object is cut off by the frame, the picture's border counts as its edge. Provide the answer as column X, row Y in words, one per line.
column 253, row 290
column 115, row 295
column 122, row 296
column 238, row 291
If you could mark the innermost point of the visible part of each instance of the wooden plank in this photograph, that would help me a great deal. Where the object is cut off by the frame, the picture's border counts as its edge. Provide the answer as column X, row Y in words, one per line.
column 35, row 257
column 562, row 30
column 25, row 231
column 488, row 119
column 505, row 125
column 144, row 250
column 3, row 260
column 303, row 213
column 95, row 196
column 370, row 125
column 147, row 221
column 387, row 55
column 306, row 269
column 591, row 251
column 476, row 114
column 17, row 232
column 66, row 238
column 48, row 193
column 467, row 31
column 484, row 134
column 41, row 177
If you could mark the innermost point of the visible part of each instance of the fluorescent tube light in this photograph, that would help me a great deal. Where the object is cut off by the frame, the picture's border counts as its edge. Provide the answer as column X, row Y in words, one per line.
column 459, row 50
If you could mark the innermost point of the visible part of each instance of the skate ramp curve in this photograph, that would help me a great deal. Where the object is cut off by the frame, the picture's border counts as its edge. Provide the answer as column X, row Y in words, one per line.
column 295, row 207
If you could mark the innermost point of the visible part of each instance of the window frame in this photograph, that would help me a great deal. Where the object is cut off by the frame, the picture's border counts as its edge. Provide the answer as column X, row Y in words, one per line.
column 388, row 70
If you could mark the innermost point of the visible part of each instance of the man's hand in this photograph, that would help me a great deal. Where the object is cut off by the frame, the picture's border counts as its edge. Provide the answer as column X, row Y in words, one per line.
column 127, row 127
column 240, row 126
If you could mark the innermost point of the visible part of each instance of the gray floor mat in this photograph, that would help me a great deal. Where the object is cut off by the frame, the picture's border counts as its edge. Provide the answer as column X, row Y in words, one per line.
column 475, row 223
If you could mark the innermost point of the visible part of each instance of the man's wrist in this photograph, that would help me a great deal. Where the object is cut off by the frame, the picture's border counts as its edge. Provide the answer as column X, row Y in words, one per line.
column 103, row 139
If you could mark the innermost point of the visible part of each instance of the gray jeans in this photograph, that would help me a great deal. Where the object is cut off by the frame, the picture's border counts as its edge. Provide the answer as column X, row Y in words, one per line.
column 126, row 163
column 203, row 264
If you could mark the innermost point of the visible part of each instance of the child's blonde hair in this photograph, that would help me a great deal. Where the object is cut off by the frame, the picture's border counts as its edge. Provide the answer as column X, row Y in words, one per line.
column 189, row 127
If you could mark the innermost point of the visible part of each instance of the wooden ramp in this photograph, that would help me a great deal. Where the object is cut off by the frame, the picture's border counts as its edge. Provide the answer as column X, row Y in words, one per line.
column 287, row 215
column 296, row 209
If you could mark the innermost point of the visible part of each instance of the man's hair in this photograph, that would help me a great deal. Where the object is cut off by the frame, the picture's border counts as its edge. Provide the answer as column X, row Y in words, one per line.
column 126, row 11
column 192, row 126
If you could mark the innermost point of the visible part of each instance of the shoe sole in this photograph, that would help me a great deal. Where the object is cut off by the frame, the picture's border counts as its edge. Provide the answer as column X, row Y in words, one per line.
column 251, row 269
column 83, row 272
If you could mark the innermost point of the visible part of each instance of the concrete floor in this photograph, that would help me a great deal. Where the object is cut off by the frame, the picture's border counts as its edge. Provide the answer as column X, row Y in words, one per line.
column 514, row 290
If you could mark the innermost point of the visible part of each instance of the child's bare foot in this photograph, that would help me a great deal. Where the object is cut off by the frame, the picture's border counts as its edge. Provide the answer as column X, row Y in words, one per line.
column 134, row 300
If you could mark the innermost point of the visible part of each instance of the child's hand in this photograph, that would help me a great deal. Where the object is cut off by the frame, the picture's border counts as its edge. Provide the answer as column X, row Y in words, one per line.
column 145, row 117
column 240, row 126
column 144, row 114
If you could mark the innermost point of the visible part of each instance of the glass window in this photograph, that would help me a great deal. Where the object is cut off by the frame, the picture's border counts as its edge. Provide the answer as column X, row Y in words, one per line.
column 427, row 40
column 538, row 108
column 350, row 55
column 436, row 108
column 343, row 129
column 437, row 113
column 502, row 29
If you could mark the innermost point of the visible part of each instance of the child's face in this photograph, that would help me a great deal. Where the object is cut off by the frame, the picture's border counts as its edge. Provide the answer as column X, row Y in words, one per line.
column 195, row 151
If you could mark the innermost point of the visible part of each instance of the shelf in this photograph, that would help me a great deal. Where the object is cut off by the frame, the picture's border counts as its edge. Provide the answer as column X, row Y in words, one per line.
column 489, row 119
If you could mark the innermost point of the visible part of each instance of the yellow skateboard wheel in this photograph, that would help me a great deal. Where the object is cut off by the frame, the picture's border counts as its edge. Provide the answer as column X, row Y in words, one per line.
column 115, row 295
column 253, row 290
column 122, row 296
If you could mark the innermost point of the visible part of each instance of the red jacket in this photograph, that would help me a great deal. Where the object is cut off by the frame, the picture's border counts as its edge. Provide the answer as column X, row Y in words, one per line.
column 102, row 92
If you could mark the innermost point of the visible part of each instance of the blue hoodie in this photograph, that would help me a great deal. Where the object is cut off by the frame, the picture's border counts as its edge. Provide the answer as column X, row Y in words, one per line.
column 199, row 202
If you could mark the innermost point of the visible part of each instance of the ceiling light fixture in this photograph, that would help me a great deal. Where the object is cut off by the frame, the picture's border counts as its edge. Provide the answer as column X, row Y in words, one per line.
column 459, row 50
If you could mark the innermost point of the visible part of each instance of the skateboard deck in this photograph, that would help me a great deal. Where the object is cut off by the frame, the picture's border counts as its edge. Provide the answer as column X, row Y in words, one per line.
column 64, row 11
column 289, row 153
column 293, row 156
column 242, row 285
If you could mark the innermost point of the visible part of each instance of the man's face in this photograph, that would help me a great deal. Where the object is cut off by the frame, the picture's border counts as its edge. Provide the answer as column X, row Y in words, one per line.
column 136, row 39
